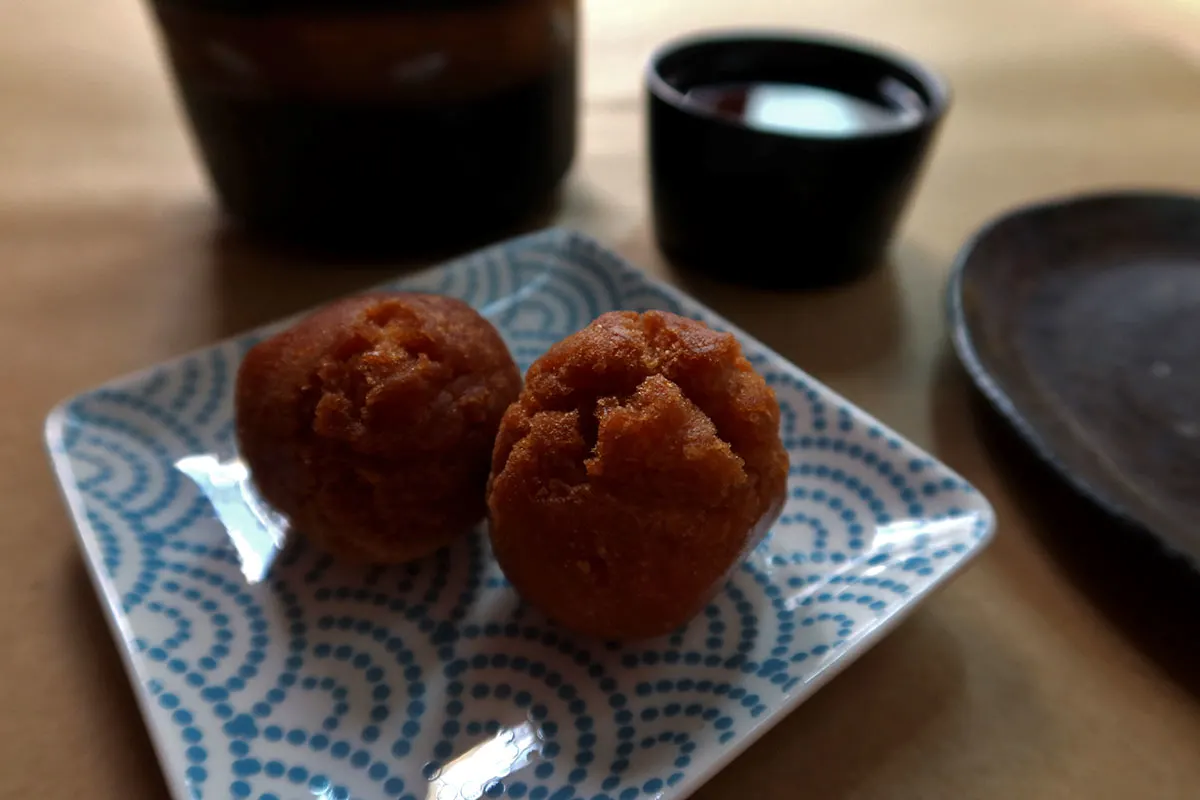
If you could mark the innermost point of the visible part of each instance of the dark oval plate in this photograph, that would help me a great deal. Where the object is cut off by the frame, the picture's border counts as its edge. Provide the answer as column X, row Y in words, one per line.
column 1079, row 319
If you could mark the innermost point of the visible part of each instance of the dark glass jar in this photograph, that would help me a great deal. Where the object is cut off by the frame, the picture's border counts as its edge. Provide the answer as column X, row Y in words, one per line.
column 378, row 123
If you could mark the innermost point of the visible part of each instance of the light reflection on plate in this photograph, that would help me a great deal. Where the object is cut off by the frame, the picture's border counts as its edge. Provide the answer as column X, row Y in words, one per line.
column 257, row 531
column 486, row 764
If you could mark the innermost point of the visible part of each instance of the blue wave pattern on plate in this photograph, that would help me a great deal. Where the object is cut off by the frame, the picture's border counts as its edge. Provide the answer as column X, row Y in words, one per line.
column 432, row 681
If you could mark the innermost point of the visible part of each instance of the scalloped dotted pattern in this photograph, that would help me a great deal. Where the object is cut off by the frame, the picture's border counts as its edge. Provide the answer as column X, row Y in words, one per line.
column 432, row 681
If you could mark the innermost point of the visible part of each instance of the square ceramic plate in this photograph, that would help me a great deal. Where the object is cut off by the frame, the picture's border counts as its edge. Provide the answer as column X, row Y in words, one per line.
column 303, row 678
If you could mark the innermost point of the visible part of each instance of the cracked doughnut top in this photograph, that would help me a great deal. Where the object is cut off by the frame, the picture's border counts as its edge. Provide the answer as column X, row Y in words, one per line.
column 370, row 423
column 639, row 465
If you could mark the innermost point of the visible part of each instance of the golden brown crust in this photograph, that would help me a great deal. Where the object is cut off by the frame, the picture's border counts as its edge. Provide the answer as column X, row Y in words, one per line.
column 370, row 423
column 639, row 466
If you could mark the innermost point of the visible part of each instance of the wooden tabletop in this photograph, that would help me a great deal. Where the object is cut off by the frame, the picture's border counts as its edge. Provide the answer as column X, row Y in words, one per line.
column 1065, row 663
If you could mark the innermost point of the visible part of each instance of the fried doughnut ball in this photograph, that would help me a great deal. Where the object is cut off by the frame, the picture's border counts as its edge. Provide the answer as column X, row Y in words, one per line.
column 370, row 423
column 640, row 465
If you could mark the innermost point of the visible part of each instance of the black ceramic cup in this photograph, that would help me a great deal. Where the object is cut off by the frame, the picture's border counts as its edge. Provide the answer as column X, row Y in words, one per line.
column 784, row 160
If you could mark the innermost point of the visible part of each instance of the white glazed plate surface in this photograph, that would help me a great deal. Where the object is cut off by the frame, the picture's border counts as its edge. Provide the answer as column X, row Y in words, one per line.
column 295, row 677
